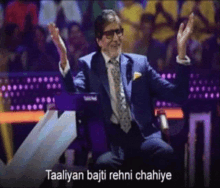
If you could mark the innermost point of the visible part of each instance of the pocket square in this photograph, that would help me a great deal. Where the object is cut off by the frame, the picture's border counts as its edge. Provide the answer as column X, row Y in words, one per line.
column 137, row 75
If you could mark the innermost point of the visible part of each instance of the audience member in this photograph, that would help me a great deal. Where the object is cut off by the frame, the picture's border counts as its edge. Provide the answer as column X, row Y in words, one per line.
column 40, row 57
column 130, row 16
column 166, row 13
column 194, row 49
column 17, row 12
column 91, row 9
column 1, row 25
column 12, row 53
column 60, row 12
column 152, row 48
column 211, row 54
column 204, row 17
column 77, row 46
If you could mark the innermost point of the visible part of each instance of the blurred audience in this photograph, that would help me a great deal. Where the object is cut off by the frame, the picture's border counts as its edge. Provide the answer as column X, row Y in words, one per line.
column 17, row 12
column 150, row 31
column 211, row 54
column 1, row 25
column 166, row 13
column 152, row 48
column 40, row 56
column 77, row 46
column 60, row 12
column 204, row 17
column 91, row 9
column 194, row 49
column 130, row 16
column 12, row 54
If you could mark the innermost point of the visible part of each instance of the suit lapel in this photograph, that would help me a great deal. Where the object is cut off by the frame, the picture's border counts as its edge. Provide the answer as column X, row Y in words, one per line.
column 101, row 72
column 126, row 75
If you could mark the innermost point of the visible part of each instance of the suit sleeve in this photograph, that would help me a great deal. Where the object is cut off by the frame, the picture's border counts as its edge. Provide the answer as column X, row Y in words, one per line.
column 80, row 82
column 163, row 90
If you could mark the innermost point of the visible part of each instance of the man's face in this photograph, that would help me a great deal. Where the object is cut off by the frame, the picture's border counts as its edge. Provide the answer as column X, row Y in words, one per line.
column 111, row 44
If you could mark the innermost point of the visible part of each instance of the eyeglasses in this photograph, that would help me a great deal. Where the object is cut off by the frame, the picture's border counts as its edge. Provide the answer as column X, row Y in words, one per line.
column 110, row 34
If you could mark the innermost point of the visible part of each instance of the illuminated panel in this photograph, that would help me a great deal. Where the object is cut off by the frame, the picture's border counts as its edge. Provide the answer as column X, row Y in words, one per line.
column 21, row 116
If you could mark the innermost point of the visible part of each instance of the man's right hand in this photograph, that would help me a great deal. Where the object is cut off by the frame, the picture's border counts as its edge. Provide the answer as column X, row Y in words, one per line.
column 59, row 43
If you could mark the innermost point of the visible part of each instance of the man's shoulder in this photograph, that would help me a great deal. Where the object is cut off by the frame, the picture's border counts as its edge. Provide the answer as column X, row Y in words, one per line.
column 135, row 57
column 88, row 57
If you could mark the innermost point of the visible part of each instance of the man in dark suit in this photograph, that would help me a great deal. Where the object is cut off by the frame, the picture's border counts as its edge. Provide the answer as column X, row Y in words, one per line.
column 127, row 85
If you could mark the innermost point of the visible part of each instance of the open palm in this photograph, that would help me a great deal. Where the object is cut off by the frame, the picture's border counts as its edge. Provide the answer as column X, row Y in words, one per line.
column 56, row 38
column 184, row 34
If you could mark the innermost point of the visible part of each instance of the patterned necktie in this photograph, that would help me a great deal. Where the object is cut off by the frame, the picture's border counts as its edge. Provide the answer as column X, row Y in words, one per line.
column 122, row 108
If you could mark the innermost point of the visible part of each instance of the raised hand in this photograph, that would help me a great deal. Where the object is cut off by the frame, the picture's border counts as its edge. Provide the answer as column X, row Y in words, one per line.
column 183, row 35
column 59, row 43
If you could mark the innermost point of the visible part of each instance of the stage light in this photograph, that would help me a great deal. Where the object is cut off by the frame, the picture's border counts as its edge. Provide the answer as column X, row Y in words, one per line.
column 18, row 94
column 59, row 86
column 48, row 86
column 40, row 106
column 214, row 88
column 6, row 94
column 57, row 79
column 206, row 95
column 9, row 88
column 168, row 75
column 28, row 80
column 14, row 87
column 203, row 88
column 12, row 108
column 200, row 82
column 37, row 100
column 20, row 86
column 217, row 95
column 197, row 89
column 209, row 89
column 25, row 86
column 54, row 86
column 163, row 103
column 40, row 79
column 3, row 88
column 29, row 107
column 17, row 107
column 31, row 87
column 34, row 106
column 53, row 99
column 34, row 79
column 191, row 75
column 194, row 96
column 48, row 99
column 42, row 99
column 212, row 95
column 174, row 75
column 163, row 76
column 191, row 89
column 45, row 79
column 23, row 107
column 158, row 103
column 51, row 79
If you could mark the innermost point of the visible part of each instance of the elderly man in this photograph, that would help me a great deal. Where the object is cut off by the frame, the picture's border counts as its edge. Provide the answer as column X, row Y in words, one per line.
column 127, row 85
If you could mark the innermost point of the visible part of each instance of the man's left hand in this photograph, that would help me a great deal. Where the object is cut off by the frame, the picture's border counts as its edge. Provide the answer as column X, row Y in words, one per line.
column 183, row 35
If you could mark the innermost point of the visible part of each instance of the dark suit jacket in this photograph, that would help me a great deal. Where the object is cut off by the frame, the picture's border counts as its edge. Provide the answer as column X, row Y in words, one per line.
column 140, row 92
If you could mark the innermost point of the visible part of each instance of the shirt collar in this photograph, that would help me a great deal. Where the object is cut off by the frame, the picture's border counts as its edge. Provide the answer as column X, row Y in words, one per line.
column 107, row 58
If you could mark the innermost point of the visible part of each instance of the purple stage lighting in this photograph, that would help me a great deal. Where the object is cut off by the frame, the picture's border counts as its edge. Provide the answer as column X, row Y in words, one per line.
column 9, row 88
